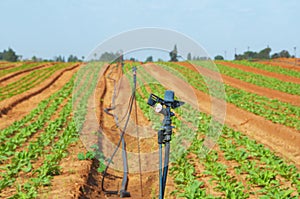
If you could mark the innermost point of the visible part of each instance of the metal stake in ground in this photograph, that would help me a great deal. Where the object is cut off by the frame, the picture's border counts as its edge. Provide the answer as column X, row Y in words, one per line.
column 164, row 135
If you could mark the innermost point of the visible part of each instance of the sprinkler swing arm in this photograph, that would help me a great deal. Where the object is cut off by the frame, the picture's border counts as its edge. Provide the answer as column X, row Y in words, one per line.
column 168, row 101
column 164, row 135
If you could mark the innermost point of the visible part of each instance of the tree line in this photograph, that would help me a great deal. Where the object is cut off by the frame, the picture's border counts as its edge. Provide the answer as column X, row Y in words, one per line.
column 11, row 56
column 263, row 54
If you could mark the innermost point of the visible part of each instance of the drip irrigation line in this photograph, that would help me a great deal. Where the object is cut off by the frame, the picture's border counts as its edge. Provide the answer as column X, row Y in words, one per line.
column 114, row 153
column 123, row 192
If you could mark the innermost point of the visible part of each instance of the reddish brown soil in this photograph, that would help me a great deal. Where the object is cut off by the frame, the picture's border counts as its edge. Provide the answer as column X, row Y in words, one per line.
column 288, row 63
column 12, row 77
column 74, row 172
column 92, row 189
column 3, row 62
column 282, row 140
column 9, row 191
column 17, row 107
column 281, row 77
column 267, row 92
column 80, row 179
column 283, row 65
column 73, row 175
column 8, row 65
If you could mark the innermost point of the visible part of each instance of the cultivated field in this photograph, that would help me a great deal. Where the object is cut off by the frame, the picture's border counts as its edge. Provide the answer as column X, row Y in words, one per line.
column 256, row 155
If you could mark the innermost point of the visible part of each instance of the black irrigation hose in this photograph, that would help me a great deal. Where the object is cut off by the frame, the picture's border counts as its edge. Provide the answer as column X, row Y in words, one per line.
column 123, row 118
column 114, row 153
column 123, row 191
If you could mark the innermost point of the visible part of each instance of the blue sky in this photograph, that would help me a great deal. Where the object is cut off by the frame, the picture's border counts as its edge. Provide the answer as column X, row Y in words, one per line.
column 63, row 27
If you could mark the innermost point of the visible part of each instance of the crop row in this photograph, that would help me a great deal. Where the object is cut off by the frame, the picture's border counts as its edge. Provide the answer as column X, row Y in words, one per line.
column 270, row 68
column 16, row 134
column 42, row 175
column 83, row 89
column 283, row 62
column 260, row 80
column 187, row 180
column 48, row 130
column 29, row 81
column 18, row 68
column 50, row 144
column 275, row 69
column 24, row 160
column 271, row 109
column 184, row 178
column 256, row 79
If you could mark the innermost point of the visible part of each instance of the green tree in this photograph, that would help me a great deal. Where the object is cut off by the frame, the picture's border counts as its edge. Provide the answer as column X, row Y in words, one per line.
column 275, row 55
column 219, row 57
column 284, row 53
column 250, row 55
column 9, row 55
column 34, row 58
column 112, row 57
column 73, row 58
column 189, row 56
column 59, row 59
column 264, row 54
column 108, row 56
column 149, row 59
column 173, row 54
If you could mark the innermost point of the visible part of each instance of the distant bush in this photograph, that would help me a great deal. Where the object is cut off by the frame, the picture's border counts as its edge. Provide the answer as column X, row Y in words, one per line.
column 219, row 57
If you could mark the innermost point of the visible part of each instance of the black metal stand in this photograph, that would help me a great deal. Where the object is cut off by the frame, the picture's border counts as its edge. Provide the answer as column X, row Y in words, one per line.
column 164, row 135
